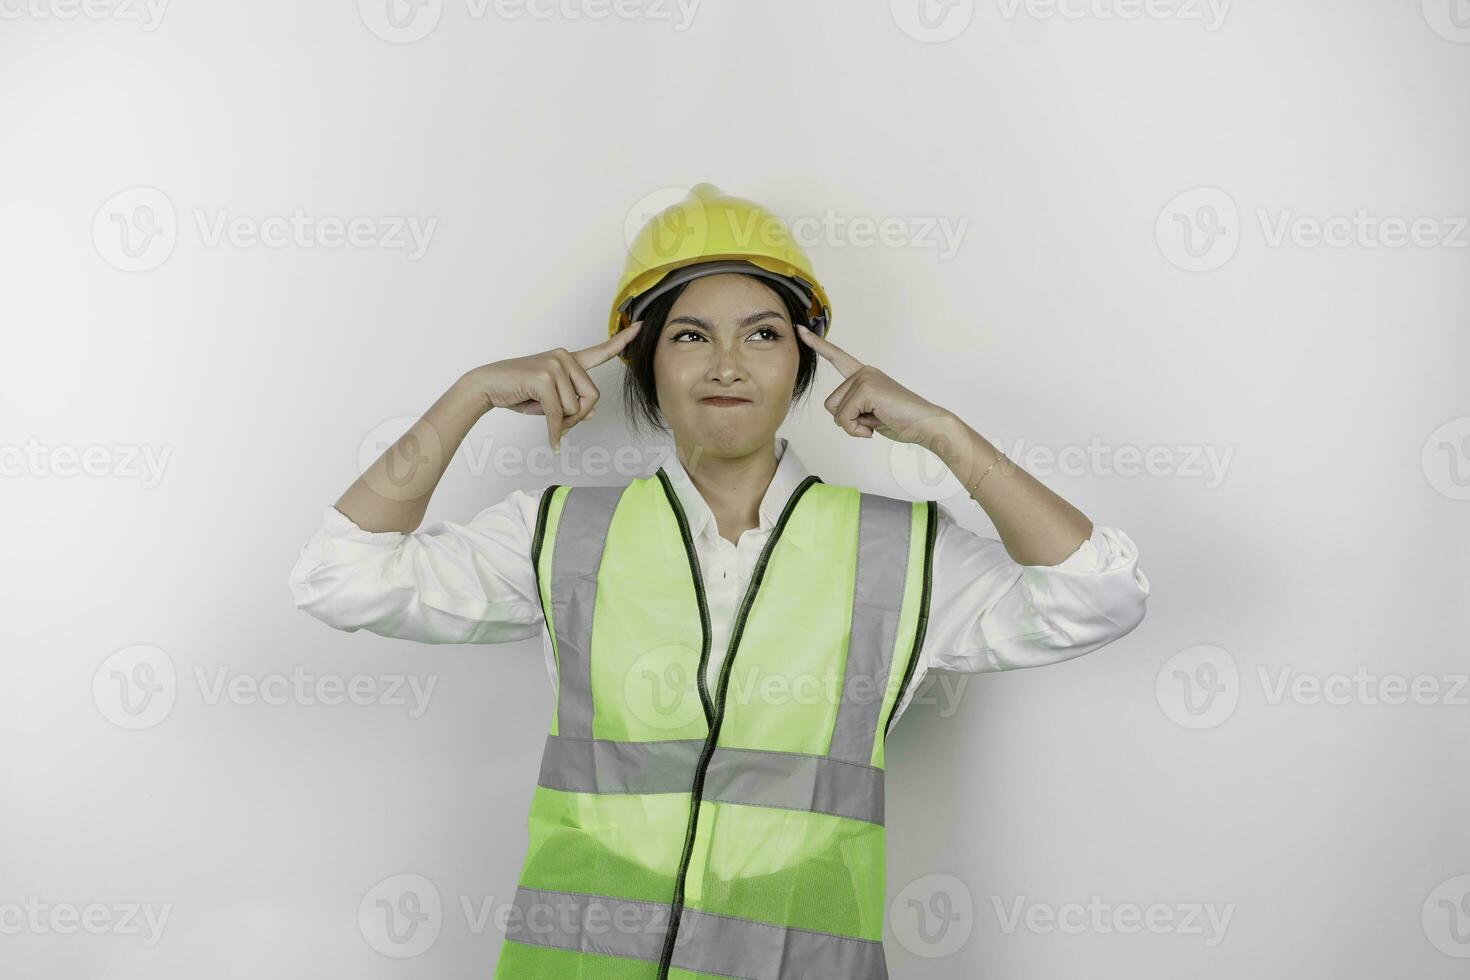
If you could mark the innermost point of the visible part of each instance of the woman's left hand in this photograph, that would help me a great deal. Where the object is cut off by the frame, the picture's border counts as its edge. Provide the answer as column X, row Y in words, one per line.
column 870, row 401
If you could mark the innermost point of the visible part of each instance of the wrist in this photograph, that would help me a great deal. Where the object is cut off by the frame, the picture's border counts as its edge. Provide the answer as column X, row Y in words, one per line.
column 969, row 455
column 467, row 396
column 947, row 436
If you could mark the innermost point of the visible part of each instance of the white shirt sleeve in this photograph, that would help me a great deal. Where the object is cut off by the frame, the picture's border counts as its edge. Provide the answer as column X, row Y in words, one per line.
column 990, row 613
column 986, row 612
column 444, row 583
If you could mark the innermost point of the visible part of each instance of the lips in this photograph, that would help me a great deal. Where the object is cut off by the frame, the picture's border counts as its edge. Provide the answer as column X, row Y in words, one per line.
column 725, row 400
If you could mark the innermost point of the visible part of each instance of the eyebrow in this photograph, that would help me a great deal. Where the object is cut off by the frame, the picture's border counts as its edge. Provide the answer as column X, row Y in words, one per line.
column 753, row 318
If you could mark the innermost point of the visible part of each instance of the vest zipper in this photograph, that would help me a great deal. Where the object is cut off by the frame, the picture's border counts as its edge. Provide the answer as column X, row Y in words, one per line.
column 930, row 523
column 705, row 639
column 713, row 715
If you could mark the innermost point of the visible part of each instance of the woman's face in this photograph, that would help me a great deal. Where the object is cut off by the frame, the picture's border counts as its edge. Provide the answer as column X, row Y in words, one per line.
column 727, row 336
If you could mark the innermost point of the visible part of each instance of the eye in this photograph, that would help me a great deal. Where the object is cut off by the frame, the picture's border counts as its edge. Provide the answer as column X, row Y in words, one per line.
column 686, row 332
column 771, row 333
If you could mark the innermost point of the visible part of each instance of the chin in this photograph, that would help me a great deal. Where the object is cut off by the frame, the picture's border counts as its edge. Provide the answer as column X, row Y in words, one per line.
column 734, row 438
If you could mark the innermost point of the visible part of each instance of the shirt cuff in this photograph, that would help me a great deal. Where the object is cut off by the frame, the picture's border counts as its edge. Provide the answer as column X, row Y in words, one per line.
column 340, row 541
column 338, row 525
column 1108, row 549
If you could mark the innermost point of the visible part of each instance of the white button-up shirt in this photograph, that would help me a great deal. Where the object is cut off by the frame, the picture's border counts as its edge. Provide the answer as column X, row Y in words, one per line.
column 474, row 583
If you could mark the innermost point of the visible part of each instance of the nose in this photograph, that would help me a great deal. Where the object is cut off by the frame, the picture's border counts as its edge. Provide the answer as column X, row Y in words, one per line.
column 725, row 365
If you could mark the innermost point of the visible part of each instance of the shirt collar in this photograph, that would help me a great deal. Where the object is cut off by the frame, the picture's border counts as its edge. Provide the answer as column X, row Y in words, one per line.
column 790, row 471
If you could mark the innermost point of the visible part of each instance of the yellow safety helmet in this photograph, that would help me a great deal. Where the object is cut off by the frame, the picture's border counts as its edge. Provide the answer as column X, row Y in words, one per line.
column 709, row 232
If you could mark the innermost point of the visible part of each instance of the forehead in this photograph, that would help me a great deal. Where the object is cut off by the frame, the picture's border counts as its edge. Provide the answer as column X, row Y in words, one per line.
column 726, row 295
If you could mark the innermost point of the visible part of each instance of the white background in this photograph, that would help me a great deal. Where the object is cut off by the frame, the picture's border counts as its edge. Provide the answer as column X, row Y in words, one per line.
column 1329, row 378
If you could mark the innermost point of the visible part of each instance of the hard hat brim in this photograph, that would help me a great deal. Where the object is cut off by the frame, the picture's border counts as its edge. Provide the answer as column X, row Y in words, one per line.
column 808, row 295
column 795, row 287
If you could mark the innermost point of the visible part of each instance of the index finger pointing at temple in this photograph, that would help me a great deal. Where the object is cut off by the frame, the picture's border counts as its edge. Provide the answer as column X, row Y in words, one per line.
column 590, row 357
column 844, row 362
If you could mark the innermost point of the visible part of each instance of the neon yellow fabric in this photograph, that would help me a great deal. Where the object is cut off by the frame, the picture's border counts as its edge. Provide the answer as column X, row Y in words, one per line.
column 781, row 691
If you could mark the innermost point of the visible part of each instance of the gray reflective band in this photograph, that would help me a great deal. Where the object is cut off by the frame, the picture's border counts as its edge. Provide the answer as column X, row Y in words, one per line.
column 794, row 781
column 705, row 943
column 588, row 923
column 884, row 527
column 757, row 951
column 581, row 534
column 586, row 765
column 754, row 777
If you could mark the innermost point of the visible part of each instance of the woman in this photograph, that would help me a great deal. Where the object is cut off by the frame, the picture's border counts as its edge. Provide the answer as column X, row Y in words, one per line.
column 730, row 639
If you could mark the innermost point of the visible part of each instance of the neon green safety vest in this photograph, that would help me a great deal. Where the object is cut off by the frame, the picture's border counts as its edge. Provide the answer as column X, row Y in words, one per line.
column 682, row 829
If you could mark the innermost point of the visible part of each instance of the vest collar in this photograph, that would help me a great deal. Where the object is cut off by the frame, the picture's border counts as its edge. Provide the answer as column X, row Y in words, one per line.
column 790, row 471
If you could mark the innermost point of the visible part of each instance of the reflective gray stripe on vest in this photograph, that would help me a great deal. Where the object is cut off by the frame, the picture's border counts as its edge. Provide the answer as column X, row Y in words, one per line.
column 794, row 781
column 741, row 948
column 588, row 923
column 706, row 943
column 587, row 765
column 754, row 777
column 581, row 534
column 884, row 528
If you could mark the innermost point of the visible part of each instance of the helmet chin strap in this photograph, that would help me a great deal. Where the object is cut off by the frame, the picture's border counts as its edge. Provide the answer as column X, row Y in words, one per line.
column 817, row 324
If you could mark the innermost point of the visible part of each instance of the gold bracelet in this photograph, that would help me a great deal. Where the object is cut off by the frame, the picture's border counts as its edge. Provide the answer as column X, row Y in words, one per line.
column 976, row 484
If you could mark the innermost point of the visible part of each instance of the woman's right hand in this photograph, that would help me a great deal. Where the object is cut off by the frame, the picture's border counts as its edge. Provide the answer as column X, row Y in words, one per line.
column 554, row 383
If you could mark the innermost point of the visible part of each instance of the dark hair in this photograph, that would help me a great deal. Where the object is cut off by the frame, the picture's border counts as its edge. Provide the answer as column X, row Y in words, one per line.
column 640, row 393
